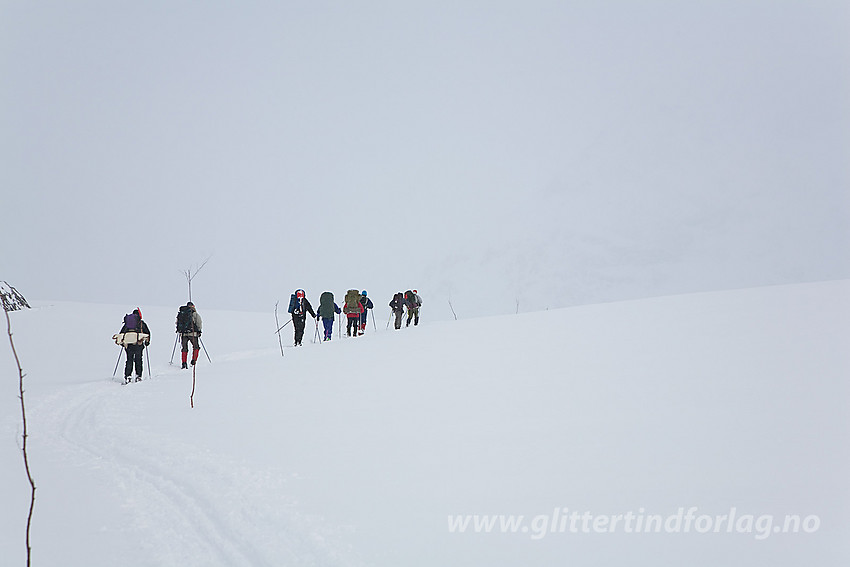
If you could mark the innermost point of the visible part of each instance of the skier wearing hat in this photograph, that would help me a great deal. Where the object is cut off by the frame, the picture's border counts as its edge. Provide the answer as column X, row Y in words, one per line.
column 133, row 324
column 413, row 303
column 299, row 306
column 367, row 304
column 189, row 328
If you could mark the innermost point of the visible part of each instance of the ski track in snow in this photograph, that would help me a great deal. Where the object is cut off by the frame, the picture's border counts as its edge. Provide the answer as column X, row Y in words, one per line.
column 219, row 512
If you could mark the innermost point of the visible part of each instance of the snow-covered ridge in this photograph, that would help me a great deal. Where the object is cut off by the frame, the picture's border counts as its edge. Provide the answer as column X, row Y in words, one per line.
column 362, row 450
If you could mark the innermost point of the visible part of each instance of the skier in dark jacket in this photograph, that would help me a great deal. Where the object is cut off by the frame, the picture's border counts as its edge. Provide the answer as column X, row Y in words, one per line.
column 397, row 305
column 189, row 327
column 327, row 309
column 299, row 306
column 134, row 324
column 413, row 303
column 367, row 304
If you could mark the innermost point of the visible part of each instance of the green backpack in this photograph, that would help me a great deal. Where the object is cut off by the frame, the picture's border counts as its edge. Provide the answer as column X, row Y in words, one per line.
column 326, row 305
column 352, row 301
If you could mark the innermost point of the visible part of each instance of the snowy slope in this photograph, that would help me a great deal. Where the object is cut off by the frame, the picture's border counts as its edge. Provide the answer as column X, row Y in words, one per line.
column 360, row 451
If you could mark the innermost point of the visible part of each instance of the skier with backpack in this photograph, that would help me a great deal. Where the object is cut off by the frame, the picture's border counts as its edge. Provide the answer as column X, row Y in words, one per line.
column 189, row 329
column 327, row 309
column 134, row 336
column 397, row 305
column 413, row 303
column 353, row 310
column 364, row 316
column 299, row 306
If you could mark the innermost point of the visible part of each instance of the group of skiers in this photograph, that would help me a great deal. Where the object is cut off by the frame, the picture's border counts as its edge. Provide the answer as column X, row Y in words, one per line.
column 356, row 308
column 409, row 299
column 135, row 335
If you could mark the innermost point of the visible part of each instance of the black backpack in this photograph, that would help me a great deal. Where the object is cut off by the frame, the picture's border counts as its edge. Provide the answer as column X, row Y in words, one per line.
column 184, row 320
column 398, row 300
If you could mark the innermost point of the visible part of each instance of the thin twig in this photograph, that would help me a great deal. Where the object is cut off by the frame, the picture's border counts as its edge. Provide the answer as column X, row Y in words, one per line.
column 192, row 395
column 277, row 323
column 190, row 275
column 453, row 309
column 25, row 436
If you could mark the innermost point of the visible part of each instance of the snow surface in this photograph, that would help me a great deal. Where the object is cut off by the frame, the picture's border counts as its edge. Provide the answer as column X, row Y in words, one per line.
column 356, row 452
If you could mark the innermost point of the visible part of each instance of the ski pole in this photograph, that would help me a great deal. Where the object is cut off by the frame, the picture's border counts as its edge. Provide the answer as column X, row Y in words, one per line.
column 390, row 319
column 374, row 325
column 282, row 326
column 203, row 346
column 176, row 338
column 117, row 362
column 148, row 355
column 316, row 336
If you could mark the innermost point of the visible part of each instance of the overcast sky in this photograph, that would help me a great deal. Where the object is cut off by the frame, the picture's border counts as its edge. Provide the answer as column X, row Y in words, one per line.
column 638, row 147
